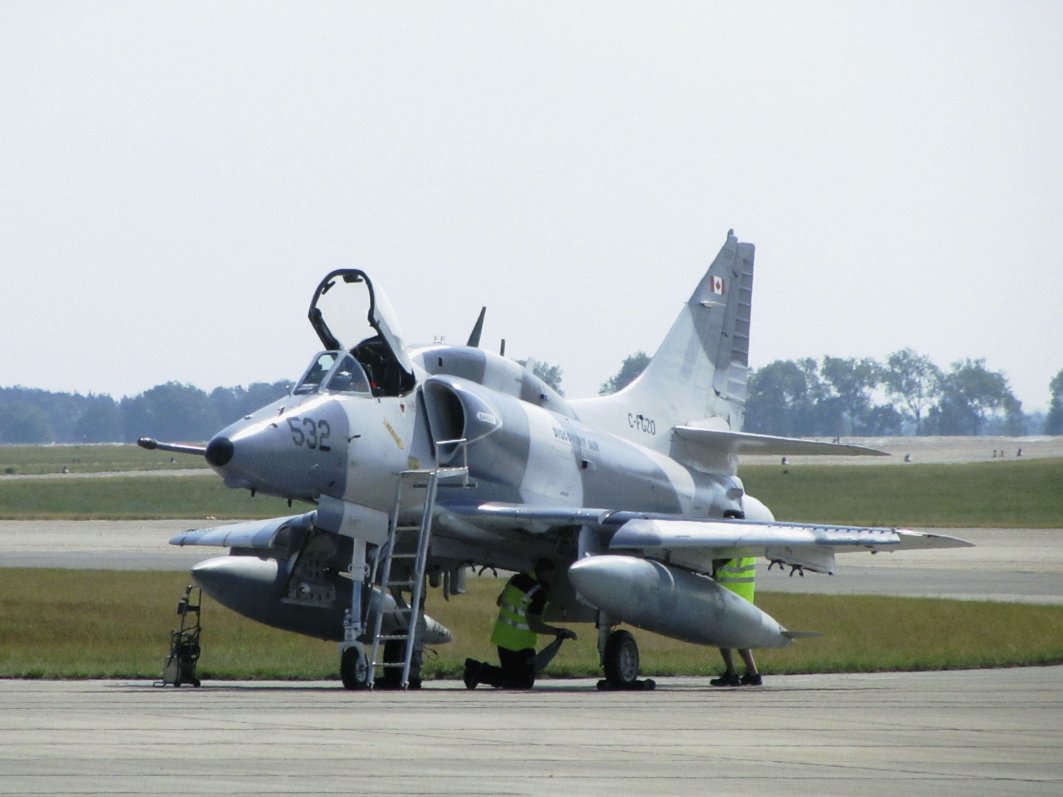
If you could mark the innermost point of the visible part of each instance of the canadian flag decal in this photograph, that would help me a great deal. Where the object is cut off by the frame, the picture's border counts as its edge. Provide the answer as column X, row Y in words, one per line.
column 717, row 285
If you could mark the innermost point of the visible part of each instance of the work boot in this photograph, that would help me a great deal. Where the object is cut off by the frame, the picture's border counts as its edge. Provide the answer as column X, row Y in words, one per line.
column 472, row 673
column 752, row 680
column 727, row 679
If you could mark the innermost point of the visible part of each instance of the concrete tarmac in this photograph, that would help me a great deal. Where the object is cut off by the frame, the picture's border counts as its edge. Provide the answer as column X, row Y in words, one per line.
column 966, row 733
column 987, row 732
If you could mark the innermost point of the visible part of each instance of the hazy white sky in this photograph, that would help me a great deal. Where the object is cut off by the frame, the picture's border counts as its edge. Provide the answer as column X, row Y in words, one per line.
column 176, row 177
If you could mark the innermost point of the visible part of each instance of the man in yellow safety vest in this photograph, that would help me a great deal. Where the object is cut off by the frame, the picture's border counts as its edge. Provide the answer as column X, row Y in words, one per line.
column 521, row 605
column 739, row 576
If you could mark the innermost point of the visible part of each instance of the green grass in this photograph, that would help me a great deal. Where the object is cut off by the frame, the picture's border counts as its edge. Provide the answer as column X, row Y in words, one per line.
column 133, row 497
column 1025, row 494
column 1008, row 494
column 89, row 459
column 74, row 624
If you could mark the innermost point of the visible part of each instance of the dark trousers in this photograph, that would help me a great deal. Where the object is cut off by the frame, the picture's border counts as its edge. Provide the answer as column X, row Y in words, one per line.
column 517, row 670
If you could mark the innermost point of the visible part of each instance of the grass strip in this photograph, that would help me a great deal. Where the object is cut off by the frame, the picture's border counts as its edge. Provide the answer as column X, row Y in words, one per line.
column 29, row 460
column 104, row 624
column 1012, row 494
column 134, row 498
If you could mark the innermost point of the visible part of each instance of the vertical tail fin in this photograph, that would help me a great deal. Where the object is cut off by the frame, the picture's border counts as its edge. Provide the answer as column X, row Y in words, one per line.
column 699, row 372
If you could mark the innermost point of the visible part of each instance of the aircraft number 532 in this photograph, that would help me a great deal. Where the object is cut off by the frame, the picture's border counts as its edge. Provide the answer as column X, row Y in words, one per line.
column 310, row 433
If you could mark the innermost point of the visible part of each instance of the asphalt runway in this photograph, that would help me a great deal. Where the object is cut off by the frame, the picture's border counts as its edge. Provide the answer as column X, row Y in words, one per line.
column 988, row 732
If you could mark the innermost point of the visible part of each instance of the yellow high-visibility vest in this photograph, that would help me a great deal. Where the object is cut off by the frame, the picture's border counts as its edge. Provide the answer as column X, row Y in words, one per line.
column 511, row 629
column 739, row 576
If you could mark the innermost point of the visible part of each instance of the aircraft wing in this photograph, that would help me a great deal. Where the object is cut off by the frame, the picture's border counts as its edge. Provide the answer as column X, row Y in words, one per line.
column 749, row 443
column 695, row 542
column 801, row 545
column 685, row 541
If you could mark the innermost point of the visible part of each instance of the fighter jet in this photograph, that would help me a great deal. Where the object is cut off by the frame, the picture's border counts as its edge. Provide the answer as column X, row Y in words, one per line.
column 418, row 463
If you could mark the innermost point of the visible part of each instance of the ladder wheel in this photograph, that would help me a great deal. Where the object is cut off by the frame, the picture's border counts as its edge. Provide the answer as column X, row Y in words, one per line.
column 621, row 659
column 354, row 669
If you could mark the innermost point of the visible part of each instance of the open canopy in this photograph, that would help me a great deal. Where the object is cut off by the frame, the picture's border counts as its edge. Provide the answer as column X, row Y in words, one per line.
column 375, row 342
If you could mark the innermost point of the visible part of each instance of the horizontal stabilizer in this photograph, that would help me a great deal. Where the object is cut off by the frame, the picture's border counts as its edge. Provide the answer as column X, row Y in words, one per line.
column 749, row 443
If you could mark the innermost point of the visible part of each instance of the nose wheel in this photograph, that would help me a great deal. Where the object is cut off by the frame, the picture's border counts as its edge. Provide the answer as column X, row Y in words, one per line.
column 354, row 668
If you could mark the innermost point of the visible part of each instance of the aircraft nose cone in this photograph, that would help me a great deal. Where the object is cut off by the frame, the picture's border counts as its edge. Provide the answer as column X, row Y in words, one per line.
column 219, row 451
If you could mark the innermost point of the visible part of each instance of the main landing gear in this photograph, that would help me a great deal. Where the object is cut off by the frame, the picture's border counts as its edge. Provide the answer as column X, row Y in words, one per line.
column 620, row 659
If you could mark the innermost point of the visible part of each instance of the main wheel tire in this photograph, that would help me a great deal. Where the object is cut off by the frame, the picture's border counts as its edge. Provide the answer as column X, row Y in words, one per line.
column 621, row 659
column 354, row 669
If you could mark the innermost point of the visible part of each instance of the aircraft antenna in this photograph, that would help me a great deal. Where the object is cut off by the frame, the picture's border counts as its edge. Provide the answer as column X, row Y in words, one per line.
column 477, row 330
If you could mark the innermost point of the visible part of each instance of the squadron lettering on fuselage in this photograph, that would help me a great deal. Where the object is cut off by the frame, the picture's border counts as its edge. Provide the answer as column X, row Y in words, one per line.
column 575, row 440
column 642, row 423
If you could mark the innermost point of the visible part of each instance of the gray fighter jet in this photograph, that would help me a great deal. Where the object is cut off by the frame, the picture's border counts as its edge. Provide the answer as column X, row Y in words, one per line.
column 424, row 461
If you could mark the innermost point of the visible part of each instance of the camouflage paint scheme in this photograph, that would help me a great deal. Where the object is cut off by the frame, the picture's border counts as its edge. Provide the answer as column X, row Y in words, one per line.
column 633, row 494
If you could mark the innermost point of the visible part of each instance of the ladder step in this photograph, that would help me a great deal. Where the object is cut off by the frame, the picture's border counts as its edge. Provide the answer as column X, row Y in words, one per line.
column 387, row 554
column 451, row 473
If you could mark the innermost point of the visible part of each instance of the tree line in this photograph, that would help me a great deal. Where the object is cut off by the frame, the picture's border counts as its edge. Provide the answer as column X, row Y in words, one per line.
column 171, row 411
column 906, row 394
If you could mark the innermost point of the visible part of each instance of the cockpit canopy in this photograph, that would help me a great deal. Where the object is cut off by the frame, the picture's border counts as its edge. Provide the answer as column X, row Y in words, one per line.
column 366, row 328
column 333, row 372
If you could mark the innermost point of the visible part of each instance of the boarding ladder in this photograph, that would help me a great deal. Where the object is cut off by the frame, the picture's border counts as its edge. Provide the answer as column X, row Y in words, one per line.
column 407, row 543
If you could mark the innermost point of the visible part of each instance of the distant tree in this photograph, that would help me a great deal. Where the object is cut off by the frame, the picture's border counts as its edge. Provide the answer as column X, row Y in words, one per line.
column 914, row 382
column 99, row 422
column 551, row 374
column 1012, row 421
column 852, row 381
column 61, row 409
column 22, row 422
column 233, row 403
column 630, row 370
column 970, row 396
column 170, row 412
column 883, row 419
column 1054, row 421
column 777, row 398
